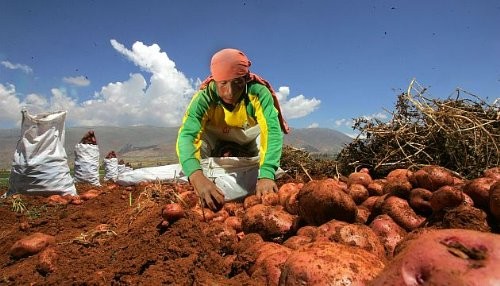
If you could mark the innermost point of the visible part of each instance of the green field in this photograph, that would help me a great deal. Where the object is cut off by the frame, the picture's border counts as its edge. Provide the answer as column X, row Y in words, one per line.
column 4, row 178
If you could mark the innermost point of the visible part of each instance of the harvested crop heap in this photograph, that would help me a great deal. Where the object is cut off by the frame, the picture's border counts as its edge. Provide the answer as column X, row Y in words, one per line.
column 461, row 134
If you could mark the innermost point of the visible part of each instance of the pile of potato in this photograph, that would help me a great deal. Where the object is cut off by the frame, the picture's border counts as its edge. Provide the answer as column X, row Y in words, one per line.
column 409, row 228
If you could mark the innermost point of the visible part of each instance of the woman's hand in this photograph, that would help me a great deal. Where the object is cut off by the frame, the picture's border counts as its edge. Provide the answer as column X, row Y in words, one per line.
column 265, row 186
column 207, row 190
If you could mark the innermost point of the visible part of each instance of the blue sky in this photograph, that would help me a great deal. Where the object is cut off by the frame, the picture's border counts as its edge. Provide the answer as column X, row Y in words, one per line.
column 139, row 62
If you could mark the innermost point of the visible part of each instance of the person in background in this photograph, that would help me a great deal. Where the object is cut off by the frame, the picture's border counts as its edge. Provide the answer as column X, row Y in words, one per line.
column 235, row 113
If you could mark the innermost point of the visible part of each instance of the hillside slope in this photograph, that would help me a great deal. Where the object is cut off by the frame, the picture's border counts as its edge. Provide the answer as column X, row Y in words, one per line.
column 149, row 146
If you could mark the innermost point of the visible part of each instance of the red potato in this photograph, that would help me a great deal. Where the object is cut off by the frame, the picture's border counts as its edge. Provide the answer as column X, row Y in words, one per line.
column 251, row 201
column 267, row 268
column 90, row 194
column 308, row 230
column 419, row 200
column 189, row 199
column 47, row 260
column 376, row 187
column 359, row 178
column 203, row 214
column 297, row 241
column 358, row 193
column 389, row 232
column 458, row 257
column 31, row 244
column 362, row 215
column 234, row 222
column 329, row 263
column 271, row 222
column 401, row 212
column 172, row 212
column 479, row 191
column 495, row 201
column 493, row 173
column 270, row 199
column 398, row 187
column 291, row 204
column 220, row 216
column 400, row 174
column 370, row 202
column 432, row 178
column 57, row 200
column 323, row 200
column 358, row 235
column 286, row 189
column 465, row 217
column 234, row 208
column 446, row 197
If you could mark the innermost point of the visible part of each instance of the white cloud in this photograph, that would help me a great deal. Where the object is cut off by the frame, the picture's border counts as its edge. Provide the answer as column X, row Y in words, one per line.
column 12, row 66
column 297, row 106
column 77, row 80
column 350, row 122
column 159, row 100
column 313, row 125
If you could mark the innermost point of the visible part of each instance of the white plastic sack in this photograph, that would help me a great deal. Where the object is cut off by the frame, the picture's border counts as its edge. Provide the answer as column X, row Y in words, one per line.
column 87, row 164
column 236, row 177
column 150, row 174
column 40, row 165
column 110, row 169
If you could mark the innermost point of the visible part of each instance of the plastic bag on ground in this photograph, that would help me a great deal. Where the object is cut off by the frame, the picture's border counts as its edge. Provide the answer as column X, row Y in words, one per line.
column 40, row 165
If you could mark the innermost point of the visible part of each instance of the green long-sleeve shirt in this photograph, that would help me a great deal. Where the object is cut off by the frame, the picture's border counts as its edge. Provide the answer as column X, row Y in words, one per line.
column 206, row 111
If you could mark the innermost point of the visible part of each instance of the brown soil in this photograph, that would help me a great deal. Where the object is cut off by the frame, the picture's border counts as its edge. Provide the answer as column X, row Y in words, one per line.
column 129, row 249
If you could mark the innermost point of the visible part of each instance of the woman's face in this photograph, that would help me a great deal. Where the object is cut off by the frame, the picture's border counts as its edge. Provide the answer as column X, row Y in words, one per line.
column 230, row 91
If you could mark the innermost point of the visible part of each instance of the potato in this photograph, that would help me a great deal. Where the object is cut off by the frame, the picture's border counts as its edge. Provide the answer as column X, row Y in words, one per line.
column 376, row 187
column 358, row 235
column 362, row 215
column 479, row 191
column 420, row 201
column 323, row 200
column 267, row 270
column 47, row 261
column 495, row 201
column 234, row 222
column 446, row 197
column 458, row 257
column 398, row 187
column 297, row 241
column 271, row 222
column 31, row 244
column 286, row 189
column 362, row 178
column 358, row 193
column 432, row 178
column 270, row 199
column 400, row 174
column 329, row 263
column 493, row 173
column 401, row 212
column 251, row 201
column 389, row 232
column 172, row 212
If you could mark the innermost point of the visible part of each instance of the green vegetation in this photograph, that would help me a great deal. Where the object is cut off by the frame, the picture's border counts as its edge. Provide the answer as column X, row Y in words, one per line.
column 4, row 178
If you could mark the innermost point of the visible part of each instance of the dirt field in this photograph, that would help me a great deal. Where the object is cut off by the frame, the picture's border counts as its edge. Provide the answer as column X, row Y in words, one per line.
column 118, row 238
column 107, row 241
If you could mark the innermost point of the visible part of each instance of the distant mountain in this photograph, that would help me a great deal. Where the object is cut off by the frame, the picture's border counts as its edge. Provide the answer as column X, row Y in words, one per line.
column 149, row 146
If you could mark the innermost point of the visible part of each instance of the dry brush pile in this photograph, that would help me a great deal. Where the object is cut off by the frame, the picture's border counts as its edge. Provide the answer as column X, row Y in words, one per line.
column 461, row 134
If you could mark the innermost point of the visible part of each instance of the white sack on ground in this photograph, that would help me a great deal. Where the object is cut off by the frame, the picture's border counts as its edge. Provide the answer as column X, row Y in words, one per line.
column 110, row 169
column 40, row 165
column 87, row 163
column 236, row 177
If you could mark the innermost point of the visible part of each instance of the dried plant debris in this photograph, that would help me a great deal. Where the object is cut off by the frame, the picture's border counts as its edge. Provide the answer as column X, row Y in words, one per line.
column 461, row 133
